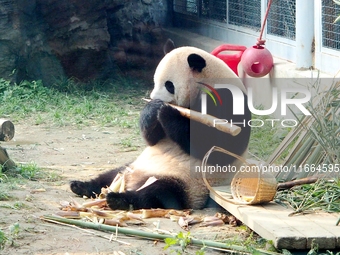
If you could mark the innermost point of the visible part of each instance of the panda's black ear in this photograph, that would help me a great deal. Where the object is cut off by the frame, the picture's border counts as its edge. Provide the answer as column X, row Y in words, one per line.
column 196, row 62
column 168, row 46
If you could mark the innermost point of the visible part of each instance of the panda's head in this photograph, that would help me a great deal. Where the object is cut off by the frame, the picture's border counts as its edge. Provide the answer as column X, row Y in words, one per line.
column 178, row 74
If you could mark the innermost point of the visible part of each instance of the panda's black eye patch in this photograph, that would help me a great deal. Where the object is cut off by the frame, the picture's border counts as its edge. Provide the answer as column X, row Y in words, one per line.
column 170, row 87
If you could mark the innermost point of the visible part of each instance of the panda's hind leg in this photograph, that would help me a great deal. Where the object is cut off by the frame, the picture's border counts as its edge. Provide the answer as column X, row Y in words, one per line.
column 167, row 193
column 93, row 187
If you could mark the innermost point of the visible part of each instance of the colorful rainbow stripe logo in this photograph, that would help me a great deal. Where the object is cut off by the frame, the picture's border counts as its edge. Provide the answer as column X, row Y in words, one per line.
column 211, row 92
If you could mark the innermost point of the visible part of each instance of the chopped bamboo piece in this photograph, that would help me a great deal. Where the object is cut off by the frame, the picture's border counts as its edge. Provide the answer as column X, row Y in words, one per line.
column 115, row 222
column 206, row 119
column 69, row 214
column 96, row 202
column 155, row 213
column 117, row 182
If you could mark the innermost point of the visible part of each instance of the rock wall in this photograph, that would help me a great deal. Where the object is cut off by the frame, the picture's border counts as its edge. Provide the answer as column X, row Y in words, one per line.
column 58, row 39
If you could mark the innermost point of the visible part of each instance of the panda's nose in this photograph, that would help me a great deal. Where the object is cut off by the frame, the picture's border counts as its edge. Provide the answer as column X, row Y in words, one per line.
column 162, row 94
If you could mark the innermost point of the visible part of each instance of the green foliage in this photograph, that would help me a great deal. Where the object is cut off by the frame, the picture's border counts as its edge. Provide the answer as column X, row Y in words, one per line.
column 181, row 239
column 10, row 236
column 3, row 177
column 201, row 251
column 29, row 171
column 15, row 206
column 325, row 127
column 3, row 239
column 128, row 143
column 112, row 103
column 23, row 98
column 315, row 250
column 18, row 175
column 252, row 244
column 4, row 196
column 322, row 195
column 314, row 145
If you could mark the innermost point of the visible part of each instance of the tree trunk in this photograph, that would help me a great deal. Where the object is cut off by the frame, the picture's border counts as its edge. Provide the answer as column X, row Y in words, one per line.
column 6, row 130
column 5, row 161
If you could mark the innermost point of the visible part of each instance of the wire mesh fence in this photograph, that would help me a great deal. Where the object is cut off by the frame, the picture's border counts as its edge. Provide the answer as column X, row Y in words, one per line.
column 186, row 6
column 281, row 19
column 330, row 30
column 216, row 10
column 245, row 13
column 211, row 9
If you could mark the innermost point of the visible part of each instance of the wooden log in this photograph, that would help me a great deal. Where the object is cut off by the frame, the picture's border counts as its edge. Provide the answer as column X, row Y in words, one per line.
column 291, row 184
column 206, row 119
column 5, row 161
column 6, row 130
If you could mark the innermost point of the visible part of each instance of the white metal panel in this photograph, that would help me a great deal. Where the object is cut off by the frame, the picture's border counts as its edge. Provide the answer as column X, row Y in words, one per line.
column 326, row 60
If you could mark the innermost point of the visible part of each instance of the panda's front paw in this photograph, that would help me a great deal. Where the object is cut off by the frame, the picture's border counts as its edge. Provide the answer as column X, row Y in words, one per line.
column 150, row 127
column 168, row 113
column 172, row 120
column 152, row 108
column 175, row 126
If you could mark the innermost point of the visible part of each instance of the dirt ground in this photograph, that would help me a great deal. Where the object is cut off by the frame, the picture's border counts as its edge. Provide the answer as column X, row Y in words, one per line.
column 77, row 154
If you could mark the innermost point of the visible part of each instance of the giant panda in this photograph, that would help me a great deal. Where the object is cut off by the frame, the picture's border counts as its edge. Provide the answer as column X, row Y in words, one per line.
column 176, row 145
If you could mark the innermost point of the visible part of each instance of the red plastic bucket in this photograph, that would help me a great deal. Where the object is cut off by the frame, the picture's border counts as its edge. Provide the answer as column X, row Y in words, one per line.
column 232, row 60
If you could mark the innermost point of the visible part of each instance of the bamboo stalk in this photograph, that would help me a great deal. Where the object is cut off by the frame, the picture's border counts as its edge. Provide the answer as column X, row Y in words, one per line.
column 299, row 132
column 299, row 156
column 206, row 119
column 310, row 139
column 148, row 235
column 315, row 158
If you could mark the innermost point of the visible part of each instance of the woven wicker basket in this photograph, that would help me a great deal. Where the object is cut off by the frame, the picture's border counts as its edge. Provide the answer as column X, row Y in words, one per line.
column 253, row 187
column 246, row 187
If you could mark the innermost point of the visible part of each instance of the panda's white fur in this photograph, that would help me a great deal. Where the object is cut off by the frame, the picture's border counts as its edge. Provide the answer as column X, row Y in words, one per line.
column 165, row 159
column 174, row 67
